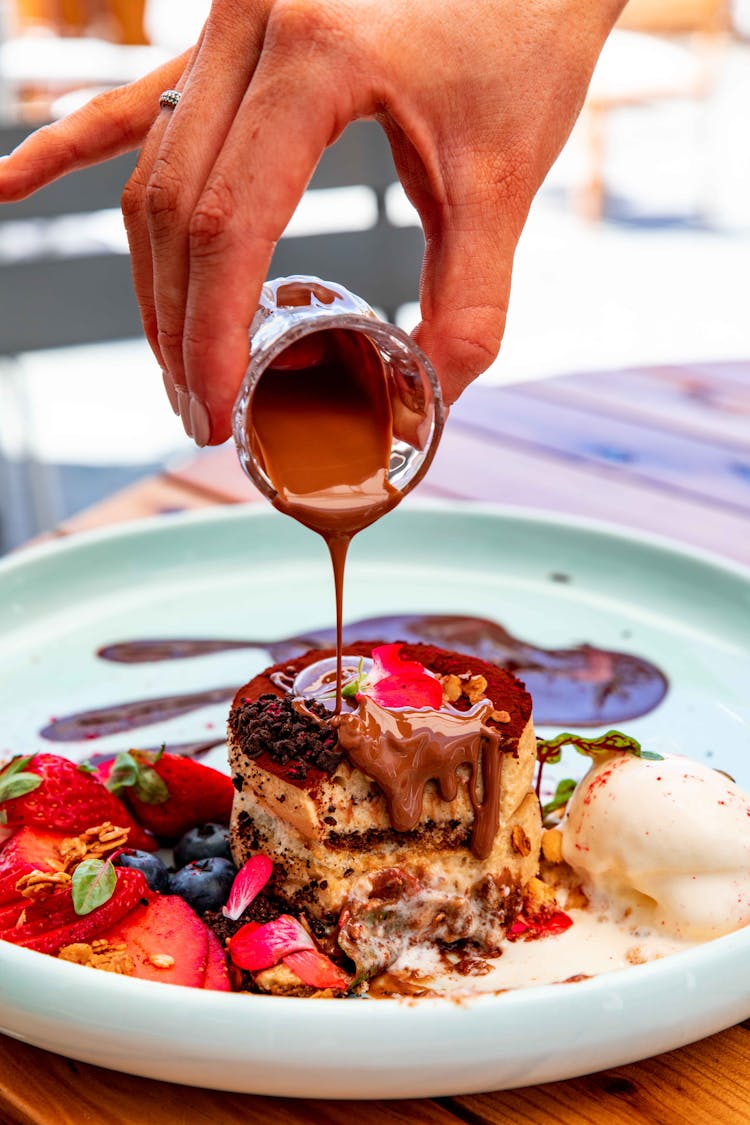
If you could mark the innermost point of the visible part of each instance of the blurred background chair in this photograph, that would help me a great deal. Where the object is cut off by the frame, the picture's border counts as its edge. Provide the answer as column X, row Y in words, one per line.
column 660, row 51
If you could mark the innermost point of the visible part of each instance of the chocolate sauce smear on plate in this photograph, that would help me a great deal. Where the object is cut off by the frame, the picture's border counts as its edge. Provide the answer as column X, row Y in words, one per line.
column 583, row 686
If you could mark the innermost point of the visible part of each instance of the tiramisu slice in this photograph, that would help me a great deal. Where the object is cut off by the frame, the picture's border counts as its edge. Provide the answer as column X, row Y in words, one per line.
column 389, row 825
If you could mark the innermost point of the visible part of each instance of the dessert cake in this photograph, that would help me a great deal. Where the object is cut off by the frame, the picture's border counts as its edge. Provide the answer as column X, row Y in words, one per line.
column 389, row 826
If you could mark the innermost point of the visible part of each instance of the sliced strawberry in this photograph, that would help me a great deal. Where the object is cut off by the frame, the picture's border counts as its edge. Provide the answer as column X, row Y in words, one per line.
column 166, row 928
column 10, row 914
column 53, row 923
column 316, row 970
column 217, row 971
column 29, row 849
column 188, row 793
column 70, row 799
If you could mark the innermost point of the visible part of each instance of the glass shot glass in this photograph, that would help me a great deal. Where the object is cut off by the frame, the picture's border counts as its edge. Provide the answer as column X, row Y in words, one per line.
column 299, row 319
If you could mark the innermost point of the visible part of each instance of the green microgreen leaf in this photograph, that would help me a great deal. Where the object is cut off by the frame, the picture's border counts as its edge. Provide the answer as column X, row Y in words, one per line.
column 563, row 793
column 613, row 742
column 15, row 782
column 93, row 884
column 353, row 688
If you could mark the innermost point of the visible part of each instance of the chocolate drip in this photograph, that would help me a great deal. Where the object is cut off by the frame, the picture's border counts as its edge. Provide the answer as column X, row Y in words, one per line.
column 403, row 750
column 129, row 716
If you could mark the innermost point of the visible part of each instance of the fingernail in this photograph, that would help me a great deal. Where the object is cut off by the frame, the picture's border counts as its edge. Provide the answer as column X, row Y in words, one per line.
column 183, row 399
column 169, row 387
column 199, row 421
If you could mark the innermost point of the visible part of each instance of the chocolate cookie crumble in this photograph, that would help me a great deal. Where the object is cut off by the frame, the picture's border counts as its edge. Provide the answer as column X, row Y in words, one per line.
column 273, row 725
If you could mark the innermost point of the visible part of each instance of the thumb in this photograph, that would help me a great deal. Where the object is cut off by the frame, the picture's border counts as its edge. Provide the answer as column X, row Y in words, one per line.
column 465, row 289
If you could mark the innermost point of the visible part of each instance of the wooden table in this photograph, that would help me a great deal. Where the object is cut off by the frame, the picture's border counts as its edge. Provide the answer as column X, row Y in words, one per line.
column 659, row 449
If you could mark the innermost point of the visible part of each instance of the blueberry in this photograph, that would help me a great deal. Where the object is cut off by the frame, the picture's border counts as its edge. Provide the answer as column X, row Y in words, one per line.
column 201, row 843
column 155, row 871
column 205, row 883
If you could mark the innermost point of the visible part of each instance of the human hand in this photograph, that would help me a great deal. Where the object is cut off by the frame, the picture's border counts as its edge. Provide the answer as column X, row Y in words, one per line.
column 476, row 99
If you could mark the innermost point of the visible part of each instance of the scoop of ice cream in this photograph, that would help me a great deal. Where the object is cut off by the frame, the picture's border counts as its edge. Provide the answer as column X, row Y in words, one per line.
column 671, row 837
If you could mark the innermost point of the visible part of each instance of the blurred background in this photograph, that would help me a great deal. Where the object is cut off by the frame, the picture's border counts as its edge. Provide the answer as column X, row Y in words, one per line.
column 636, row 251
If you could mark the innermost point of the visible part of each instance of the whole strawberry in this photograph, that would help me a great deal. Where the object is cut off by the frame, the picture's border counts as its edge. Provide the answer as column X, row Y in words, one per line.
column 170, row 794
column 50, row 792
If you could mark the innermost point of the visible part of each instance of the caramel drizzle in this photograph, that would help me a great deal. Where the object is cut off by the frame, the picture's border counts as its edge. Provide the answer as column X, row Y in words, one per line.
column 403, row 750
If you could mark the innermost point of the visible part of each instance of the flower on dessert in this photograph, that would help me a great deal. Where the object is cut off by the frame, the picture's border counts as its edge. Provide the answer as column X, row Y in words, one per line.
column 395, row 682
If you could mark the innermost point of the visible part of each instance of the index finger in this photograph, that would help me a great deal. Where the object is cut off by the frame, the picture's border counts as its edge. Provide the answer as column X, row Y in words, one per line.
column 268, row 158
column 108, row 125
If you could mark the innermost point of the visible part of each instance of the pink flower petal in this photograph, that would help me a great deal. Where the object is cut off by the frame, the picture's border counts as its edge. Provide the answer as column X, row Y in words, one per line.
column 387, row 661
column 408, row 691
column 395, row 682
column 316, row 970
column 256, row 947
column 249, row 882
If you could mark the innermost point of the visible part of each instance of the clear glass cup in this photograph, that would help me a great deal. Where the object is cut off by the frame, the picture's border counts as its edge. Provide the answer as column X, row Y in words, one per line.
column 292, row 311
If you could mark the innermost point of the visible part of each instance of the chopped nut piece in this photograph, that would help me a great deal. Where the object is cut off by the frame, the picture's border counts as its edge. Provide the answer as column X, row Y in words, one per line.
column 38, row 885
column 80, row 952
column 520, row 842
column 500, row 716
column 92, row 844
column 281, row 981
column 538, row 896
column 451, row 688
column 552, row 845
column 161, row 960
column 99, row 955
column 475, row 689
column 635, row 956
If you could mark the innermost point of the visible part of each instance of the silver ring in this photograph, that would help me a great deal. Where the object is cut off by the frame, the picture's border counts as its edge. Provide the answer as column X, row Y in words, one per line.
column 169, row 99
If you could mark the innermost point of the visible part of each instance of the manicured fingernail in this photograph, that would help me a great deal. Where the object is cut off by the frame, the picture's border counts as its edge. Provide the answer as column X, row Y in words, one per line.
column 183, row 399
column 199, row 421
column 169, row 387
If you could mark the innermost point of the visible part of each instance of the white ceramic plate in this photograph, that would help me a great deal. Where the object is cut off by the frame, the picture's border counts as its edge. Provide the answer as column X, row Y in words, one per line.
column 254, row 574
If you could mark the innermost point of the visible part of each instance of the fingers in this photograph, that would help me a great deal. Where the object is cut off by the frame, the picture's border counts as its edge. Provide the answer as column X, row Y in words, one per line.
column 239, row 218
column 136, row 224
column 191, row 141
column 110, row 124
column 466, row 280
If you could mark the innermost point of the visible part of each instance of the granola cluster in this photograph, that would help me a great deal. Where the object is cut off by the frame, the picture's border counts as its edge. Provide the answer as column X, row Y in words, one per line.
column 100, row 954
column 94, row 843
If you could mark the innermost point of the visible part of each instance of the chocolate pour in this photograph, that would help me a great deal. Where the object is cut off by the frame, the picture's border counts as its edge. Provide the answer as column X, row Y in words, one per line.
column 403, row 750
column 582, row 686
column 322, row 433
